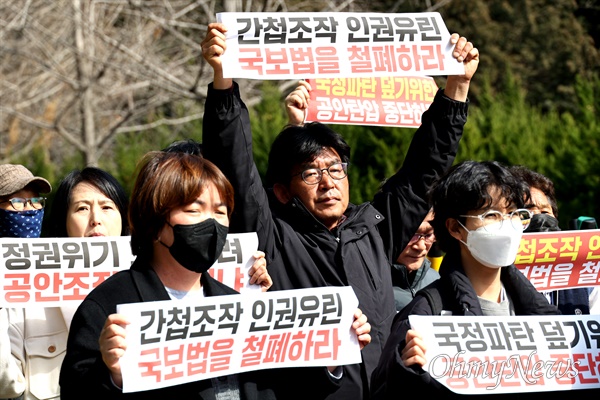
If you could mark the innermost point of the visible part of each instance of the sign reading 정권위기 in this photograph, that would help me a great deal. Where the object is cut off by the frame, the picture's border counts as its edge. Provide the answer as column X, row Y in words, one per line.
column 511, row 354
column 54, row 272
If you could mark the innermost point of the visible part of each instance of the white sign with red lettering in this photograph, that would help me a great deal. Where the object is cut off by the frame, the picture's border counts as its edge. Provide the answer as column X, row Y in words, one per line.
column 288, row 45
column 235, row 260
column 492, row 354
column 54, row 272
column 180, row 341
column 57, row 271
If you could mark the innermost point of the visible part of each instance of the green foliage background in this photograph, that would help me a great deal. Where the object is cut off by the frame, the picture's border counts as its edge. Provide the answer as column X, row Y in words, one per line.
column 534, row 101
column 503, row 126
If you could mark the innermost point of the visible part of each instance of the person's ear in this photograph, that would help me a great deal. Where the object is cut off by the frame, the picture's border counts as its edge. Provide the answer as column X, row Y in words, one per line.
column 282, row 193
column 454, row 228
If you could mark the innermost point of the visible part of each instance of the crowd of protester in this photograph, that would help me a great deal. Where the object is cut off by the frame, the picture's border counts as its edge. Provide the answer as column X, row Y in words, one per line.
column 188, row 197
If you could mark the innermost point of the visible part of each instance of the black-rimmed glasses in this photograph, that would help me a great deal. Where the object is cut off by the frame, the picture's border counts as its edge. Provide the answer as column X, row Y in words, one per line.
column 312, row 176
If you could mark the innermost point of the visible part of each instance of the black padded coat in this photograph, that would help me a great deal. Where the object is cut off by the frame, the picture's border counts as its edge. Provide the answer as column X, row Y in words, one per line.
column 301, row 252
column 391, row 377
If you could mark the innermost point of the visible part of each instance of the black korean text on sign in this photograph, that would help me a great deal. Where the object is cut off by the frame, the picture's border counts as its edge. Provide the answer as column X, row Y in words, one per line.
column 55, row 286
column 232, row 251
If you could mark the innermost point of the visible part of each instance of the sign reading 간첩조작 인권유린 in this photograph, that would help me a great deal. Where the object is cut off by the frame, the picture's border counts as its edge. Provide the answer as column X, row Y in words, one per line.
column 336, row 45
column 178, row 341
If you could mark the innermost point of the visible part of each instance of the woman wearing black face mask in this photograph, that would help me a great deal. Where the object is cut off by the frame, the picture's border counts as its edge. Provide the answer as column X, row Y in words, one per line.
column 178, row 215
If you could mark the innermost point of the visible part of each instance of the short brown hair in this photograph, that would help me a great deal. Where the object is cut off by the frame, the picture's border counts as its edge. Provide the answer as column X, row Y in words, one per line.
column 164, row 182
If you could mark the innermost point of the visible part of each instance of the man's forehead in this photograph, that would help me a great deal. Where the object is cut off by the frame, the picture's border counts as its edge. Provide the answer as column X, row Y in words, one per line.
column 327, row 156
column 27, row 191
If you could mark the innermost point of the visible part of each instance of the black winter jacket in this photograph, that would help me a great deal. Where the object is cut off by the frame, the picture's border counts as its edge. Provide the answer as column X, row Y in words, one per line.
column 301, row 252
column 391, row 377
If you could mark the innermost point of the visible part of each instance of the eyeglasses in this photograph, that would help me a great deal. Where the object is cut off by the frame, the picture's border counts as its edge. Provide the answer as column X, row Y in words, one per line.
column 312, row 176
column 19, row 203
column 429, row 238
column 492, row 219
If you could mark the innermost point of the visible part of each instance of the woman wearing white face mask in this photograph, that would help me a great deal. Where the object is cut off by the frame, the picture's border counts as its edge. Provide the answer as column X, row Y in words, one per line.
column 478, row 221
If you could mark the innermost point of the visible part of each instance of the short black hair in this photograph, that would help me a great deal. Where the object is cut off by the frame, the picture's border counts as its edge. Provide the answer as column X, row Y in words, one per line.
column 187, row 146
column 297, row 145
column 96, row 177
column 535, row 180
column 466, row 187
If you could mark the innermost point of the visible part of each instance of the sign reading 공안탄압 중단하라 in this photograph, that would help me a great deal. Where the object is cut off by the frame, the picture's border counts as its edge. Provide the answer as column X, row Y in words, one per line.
column 383, row 101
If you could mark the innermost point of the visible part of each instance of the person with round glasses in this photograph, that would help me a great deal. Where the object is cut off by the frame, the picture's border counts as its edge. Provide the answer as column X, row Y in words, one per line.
column 337, row 171
column 21, row 203
column 493, row 220
column 479, row 218
column 412, row 270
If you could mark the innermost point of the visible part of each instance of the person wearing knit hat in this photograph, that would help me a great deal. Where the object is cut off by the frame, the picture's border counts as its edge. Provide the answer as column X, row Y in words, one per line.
column 21, row 206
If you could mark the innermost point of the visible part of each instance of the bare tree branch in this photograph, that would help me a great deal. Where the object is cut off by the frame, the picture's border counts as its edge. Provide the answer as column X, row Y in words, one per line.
column 84, row 71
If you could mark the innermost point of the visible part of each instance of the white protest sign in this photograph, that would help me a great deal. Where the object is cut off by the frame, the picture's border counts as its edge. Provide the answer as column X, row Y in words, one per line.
column 288, row 45
column 235, row 260
column 57, row 271
column 511, row 354
column 178, row 341
column 53, row 272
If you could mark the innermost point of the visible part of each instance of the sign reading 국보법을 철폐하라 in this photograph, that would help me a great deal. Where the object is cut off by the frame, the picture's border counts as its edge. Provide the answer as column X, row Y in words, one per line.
column 364, row 68
column 560, row 260
column 178, row 341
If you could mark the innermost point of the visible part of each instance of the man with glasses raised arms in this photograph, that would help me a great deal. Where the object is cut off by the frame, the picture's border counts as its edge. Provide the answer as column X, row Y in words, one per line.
column 479, row 219
column 310, row 232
